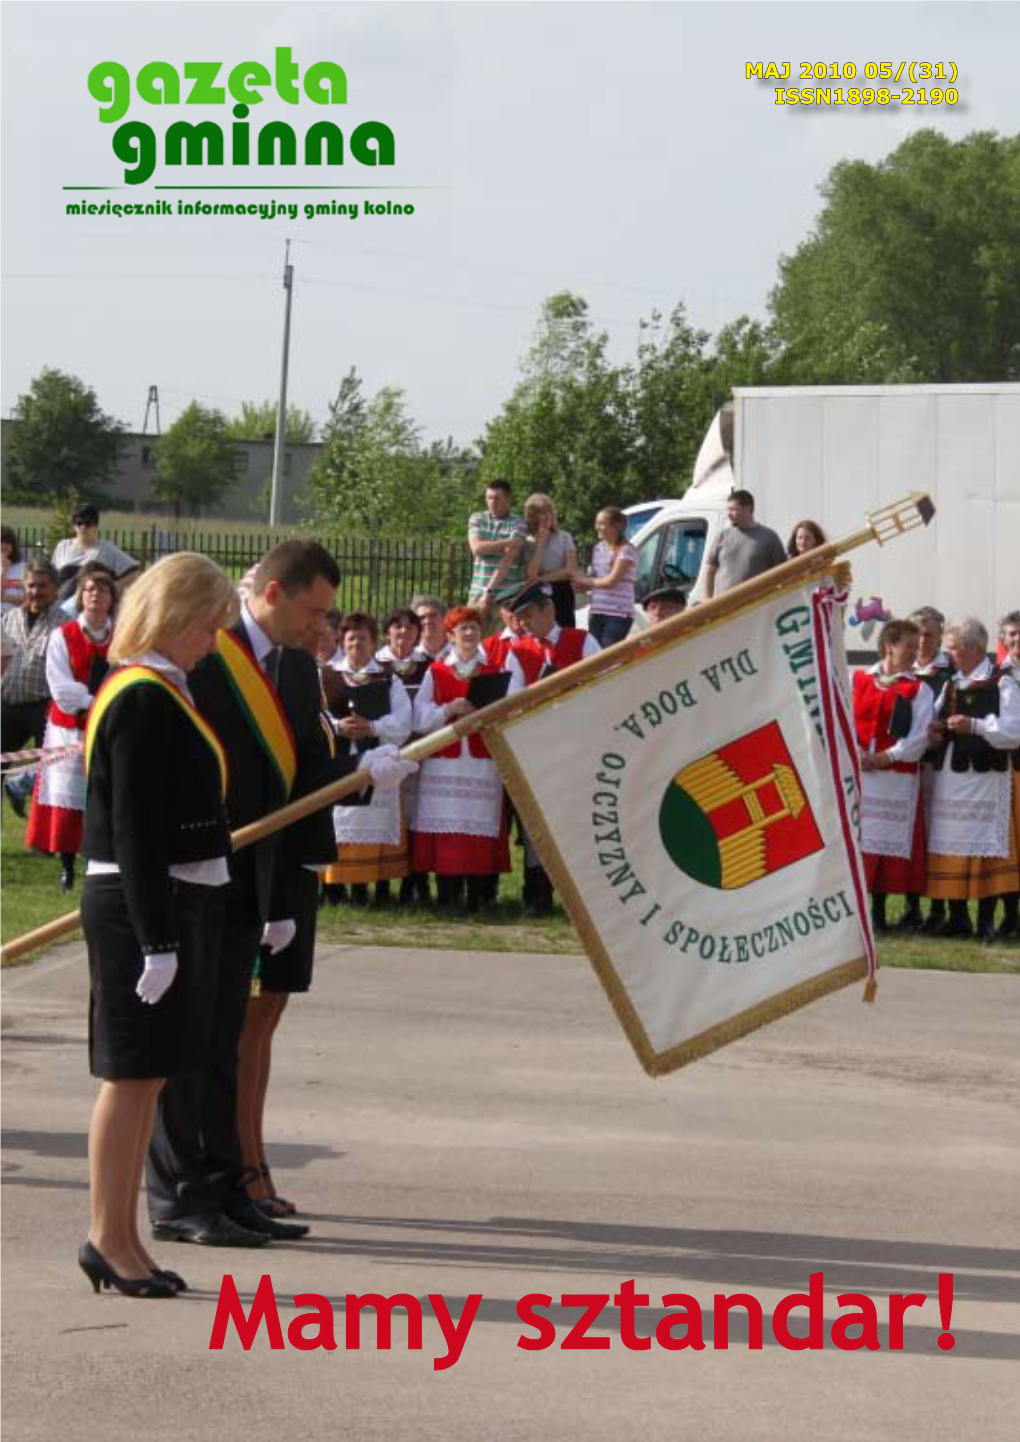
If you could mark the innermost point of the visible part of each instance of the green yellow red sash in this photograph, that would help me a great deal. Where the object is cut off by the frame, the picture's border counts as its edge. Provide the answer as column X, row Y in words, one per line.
column 261, row 707
column 119, row 681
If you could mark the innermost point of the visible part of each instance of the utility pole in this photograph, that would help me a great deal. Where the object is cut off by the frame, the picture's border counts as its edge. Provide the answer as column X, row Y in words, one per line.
column 276, row 495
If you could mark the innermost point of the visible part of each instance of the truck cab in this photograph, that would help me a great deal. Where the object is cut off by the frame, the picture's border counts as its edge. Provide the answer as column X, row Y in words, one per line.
column 673, row 541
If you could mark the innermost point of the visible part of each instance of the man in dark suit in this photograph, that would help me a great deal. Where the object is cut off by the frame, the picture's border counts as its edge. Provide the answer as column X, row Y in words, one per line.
column 260, row 692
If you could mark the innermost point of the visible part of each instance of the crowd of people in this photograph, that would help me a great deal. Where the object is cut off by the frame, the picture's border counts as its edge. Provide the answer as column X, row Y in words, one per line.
column 181, row 707
column 938, row 730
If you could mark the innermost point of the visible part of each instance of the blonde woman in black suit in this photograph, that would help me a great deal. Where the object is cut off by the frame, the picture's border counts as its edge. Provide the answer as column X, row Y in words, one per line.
column 157, row 843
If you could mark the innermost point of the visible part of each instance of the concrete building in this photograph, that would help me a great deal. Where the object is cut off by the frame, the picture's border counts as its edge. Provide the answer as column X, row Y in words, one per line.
column 247, row 499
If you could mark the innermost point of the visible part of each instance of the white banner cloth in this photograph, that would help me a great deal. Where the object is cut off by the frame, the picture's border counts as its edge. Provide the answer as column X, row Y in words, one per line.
column 700, row 826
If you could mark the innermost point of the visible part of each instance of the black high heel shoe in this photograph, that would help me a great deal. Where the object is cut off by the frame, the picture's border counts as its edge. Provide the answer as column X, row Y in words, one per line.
column 100, row 1273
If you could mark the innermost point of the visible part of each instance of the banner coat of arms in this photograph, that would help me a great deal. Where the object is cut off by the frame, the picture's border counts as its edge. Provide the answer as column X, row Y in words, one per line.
column 697, row 810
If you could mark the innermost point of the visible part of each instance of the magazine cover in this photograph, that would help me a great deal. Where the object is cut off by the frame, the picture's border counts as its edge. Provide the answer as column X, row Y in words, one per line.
column 561, row 1073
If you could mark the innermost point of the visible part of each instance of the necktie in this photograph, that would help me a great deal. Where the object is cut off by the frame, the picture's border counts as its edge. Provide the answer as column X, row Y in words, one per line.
column 272, row 665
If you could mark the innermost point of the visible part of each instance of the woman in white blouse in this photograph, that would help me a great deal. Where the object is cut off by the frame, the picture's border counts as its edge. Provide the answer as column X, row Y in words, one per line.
column 461, row 828
column 371, row 840
column 75, row 664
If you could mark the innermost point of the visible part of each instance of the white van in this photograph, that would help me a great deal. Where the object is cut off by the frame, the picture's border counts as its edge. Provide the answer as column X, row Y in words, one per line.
column 674, row 534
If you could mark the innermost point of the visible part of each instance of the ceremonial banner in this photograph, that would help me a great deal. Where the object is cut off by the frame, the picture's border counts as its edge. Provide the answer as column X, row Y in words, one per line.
column 697, row 809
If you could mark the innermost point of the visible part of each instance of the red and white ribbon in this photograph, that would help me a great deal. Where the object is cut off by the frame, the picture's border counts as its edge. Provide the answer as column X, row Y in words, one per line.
column 841, row 745
column 26, row 761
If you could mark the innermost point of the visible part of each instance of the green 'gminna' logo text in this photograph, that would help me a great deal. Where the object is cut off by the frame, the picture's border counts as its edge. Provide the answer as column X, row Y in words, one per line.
column 158, row 83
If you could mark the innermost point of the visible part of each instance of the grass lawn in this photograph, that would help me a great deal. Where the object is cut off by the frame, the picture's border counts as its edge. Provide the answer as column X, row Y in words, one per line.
column 31, row 897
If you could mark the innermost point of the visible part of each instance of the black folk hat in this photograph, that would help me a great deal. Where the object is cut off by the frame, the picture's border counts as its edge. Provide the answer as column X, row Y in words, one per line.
column 674, row 594
column 534, row 594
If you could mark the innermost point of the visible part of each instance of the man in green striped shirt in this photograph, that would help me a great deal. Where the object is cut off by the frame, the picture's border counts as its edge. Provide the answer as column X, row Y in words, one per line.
column 496, row 538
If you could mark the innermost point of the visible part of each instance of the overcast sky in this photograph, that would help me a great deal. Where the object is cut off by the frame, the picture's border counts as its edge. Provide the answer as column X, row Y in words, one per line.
column 613, row 149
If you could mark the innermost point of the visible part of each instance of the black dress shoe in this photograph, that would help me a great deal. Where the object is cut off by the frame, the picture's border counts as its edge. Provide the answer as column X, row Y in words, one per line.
column 247, row 1215
column 954, row 928
column 171, row 1279
column 211, row 1229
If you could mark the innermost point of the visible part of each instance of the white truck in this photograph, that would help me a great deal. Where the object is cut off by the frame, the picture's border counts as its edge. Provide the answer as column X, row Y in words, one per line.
column 834, row 453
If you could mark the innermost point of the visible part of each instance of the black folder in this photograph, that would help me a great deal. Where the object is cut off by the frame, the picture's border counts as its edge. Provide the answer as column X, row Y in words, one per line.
column 488, row 687
column 370, row 700
column 901, row 719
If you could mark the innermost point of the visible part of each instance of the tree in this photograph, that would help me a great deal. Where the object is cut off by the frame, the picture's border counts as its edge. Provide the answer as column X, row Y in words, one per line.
column 669, row 398
column 61, row 440
column 913, row 270
column 257, row 422
column 196, row 461
column 568, row 427
column 376, row 477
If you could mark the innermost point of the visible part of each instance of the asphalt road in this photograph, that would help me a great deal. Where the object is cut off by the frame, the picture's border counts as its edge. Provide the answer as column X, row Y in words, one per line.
column 456, row 1125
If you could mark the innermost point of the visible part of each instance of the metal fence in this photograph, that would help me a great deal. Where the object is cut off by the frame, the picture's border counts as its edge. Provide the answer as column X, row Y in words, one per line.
column 376, row 575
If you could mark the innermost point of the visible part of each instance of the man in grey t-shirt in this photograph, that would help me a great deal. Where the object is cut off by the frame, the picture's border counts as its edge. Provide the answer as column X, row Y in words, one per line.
column 744, row 549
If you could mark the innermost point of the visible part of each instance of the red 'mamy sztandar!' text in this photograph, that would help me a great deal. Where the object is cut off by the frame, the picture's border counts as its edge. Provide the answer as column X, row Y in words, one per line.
column 682, row 1329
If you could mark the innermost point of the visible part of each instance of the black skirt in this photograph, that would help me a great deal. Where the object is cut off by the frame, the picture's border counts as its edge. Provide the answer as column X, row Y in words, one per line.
column 129, row 1039
column 291, row 969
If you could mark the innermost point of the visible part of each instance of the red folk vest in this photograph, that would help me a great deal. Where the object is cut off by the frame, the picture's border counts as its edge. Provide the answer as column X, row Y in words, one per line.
column 873, row 709
column 497, row 648
column 81, row 653
column 533, row 657
column 447, row 686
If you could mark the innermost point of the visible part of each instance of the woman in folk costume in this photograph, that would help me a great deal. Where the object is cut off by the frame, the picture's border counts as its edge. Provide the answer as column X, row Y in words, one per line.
column 402, row 651
column 157, row 839
column 932, row 664
column 462, row 830
column 75, row 666
column 892, row 714
column 933, row 667
column 1009, row 642
column 974, row 823
column 368, row 704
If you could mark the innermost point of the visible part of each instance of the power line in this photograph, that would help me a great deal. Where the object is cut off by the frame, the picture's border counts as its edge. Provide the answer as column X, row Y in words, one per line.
column 495, row 268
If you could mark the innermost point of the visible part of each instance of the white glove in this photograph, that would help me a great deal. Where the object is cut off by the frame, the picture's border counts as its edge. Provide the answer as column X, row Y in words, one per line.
column 387, row 767
column 279, row 934
column 160, row 970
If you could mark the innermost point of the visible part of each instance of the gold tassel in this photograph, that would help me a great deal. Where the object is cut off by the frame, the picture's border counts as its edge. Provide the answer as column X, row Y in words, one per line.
column 870, row 989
